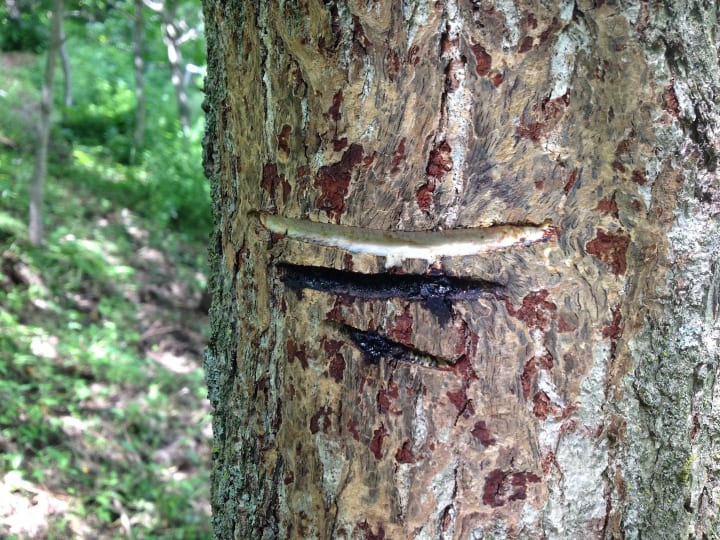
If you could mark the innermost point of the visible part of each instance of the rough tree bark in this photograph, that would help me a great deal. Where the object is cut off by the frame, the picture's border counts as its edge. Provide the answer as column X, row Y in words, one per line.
column 35, row 227
column 562, row 386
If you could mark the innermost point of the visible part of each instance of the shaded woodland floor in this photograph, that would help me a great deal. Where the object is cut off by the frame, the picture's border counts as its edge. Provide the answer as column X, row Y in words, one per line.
column 105, row 429
column 104, row 426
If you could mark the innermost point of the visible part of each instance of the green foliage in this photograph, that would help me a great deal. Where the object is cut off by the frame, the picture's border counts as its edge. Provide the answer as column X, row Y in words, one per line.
column 25, row 30
column 167, row 184
column 84, row 412
column 87, row 408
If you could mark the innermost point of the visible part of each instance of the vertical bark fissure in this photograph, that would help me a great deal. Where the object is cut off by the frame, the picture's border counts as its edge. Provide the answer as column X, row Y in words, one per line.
column 264, row 29
column 35, row 227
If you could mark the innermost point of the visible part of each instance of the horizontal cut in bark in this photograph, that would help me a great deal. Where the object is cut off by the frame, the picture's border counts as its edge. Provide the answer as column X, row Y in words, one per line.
column 375, row 346
column 398, row 246
column 383, row 286
column 435, row 292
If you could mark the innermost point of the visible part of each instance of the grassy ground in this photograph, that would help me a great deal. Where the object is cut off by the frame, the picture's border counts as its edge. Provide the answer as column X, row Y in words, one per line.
column 104, row 425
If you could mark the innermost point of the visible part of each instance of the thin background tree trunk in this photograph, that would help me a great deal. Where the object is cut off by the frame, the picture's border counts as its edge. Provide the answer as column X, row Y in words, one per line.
column 172, row 37
column 139, row 65
column 567, row 388
column 46, row 104
column 67, row 72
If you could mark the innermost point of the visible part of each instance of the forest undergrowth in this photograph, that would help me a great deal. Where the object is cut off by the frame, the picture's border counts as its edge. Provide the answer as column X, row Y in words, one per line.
column 104, row 426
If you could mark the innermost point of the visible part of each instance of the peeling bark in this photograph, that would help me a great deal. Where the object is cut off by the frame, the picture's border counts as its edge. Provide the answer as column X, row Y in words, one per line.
column 561, row 388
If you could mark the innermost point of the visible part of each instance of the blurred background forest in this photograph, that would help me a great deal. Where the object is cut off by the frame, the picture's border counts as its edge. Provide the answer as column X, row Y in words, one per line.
column 104, row 426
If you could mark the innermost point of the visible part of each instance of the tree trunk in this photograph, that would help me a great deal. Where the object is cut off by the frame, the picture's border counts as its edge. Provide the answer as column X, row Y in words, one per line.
column 139, row 65
column 539, row 361
column 35, row 227
column 172, row 36
column 65, row 63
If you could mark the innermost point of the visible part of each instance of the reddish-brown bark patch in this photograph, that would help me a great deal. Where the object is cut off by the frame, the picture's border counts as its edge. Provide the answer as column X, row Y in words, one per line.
column 440, row 161
column 569, row 426
column 467, row 341
column 481, row 432
column 483, row 60
column 339, row 144
column 530, row 371
column 333, row 181
column 608, row 206
column 352, row 427
column 570, row 182
column 501, row 487
column 405, row 454
column 336, row 366
column 359, row 37
column 284, row 138
column 497, row 79
column 334, row 110
column 460, row 400
column 398, row 157
column 271, row 181
column 295, row 352
column 638, row 177
column 543, row 117
column 392, row 64
column 463, row 368
column 614, row 329
column 528, row 376
column 348, row 261
column 335, row 314
column 554, row 25
column 618, row 166
column 548, row 461
column 552, row 109
column 544, row 407
column 289, row 478
column 536, row 311
column 519, row 485
column 611, row 249
column 623, row 147
column 424, row 196
column 563, row 325
column 412, row 56
column 321, row 420
column 447, row 44
column 526, row 44
column 402, row 328
column 533, row 131
column 377, row 441
column 532, row 21
column 385, row 397
column 670, row 101
column 364, row 526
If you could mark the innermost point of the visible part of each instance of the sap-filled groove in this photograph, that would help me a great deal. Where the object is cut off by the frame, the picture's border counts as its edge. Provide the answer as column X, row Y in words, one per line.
column 435, row 293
